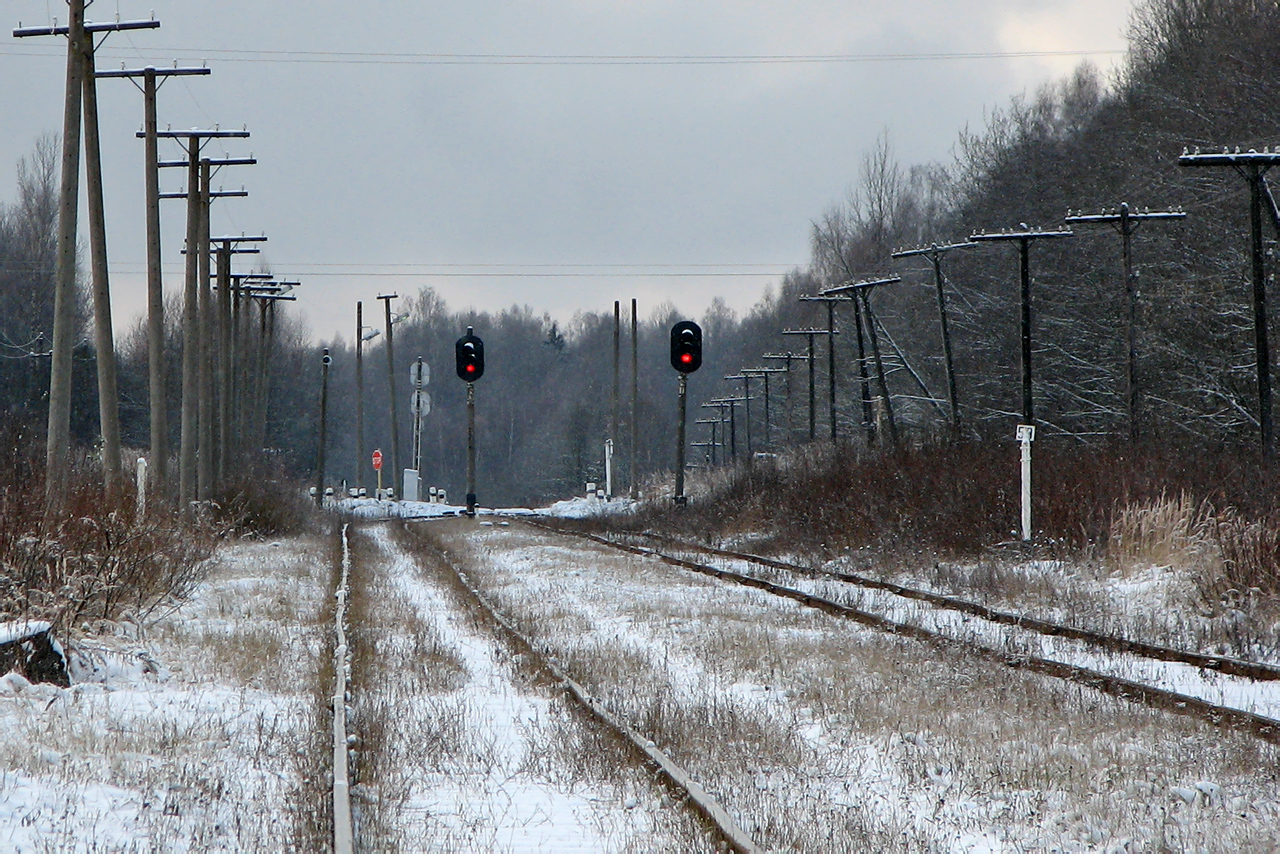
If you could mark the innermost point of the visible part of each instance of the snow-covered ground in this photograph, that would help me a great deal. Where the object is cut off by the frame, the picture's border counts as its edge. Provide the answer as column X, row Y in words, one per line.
column 183, row 735
column 508, row 775
column 823, row 736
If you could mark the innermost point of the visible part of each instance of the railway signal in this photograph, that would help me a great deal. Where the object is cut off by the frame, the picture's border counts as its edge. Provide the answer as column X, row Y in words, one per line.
column 686, row 357
column 469, row 355
column 686, row 347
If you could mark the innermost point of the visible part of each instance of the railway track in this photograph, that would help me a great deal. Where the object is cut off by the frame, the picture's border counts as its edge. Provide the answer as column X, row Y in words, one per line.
column 1219, row 714
column 727, row 834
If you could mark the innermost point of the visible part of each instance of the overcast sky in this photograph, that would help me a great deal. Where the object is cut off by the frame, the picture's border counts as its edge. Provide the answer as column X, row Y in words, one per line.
column 468, row 146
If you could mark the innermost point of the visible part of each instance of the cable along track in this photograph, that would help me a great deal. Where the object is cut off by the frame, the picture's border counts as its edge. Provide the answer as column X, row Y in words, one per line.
column 733, row 836
column 1261, row 726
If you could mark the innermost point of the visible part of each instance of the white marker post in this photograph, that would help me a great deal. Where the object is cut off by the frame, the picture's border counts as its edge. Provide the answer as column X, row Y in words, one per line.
column 142, row 489
column 1026, row 435
column 608, row 468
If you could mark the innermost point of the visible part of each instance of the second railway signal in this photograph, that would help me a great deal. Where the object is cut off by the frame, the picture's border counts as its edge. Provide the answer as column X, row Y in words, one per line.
column 686, row 357
column 469, row 355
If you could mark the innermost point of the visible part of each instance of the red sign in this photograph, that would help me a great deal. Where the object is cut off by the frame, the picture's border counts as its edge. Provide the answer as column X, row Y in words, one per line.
column 377, row 460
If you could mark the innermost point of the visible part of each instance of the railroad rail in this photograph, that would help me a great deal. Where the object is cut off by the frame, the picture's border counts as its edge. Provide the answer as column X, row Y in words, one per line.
column 1221, row 664
column 711, row 811
column 1265, row 728
column 343, row 834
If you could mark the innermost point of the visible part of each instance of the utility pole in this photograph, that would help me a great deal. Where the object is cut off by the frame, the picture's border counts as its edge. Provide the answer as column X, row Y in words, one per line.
column 81, row 94
column 152, row 79
column 635, row 396
column 363, row 334
column 809, row 333
column 788, row 357
column 711, row 445
column 934, row 254
column 325, row 361
column 613, row 411
column 862, row 289
column 746, row 414
column 266, row 297
column 225, row 361
column 830, row 302
column 58, row 439
column 763, row 373
column 397, row 472
column 1253, row 167
column 191, row 336
column 1024, row 237
column 1126, row 222
column 732, row 403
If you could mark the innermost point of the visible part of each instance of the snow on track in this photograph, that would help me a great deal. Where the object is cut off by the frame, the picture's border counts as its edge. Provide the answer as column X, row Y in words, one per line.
column 501, row 804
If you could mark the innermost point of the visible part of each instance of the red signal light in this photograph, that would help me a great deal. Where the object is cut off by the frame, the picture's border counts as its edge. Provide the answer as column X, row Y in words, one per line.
column 686, row 357
column 471, row 369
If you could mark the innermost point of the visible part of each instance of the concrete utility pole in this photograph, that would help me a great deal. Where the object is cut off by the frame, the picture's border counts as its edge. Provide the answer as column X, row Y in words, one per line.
column 363, row 334
column 391, row 384
column 1024, row 237
column 809, row 333
column 194, row 139
column 934, row 253
column 1126, row 222
column 245, row 353
column 152, row 79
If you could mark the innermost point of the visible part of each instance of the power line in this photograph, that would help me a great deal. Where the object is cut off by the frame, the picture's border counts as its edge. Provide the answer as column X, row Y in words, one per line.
column 498, row 59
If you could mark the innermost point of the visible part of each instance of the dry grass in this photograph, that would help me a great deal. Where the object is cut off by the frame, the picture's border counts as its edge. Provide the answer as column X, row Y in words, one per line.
column 820, row 736
column 1177, row 533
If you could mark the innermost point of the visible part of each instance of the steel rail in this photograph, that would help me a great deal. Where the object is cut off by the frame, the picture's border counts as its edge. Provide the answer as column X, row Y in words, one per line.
column 1218, row 663
column 1267, row 729
column 707, row 807
column 343, row 836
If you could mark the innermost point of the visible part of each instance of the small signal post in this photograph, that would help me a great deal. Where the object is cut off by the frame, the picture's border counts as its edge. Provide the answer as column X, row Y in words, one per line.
column 469, row 364
column 686, row 357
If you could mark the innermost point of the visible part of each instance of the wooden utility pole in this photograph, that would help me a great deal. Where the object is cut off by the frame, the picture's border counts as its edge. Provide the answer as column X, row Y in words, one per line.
column 391, row 389
column 763, row 373
column 189, row 442
column 226, row 355
column 152, row 79
column 787, row 357
column 361, row 337
column 809, row 333
column 1126, row 222
column 934, row 253
column 1253, row 167
column 81, row 94
column 325, row 361
column 1024, row 237
column 746, row 412
column 830, row 302
column 862, row 289
column 633, row 469
column 58, row 438
column 617, row 382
